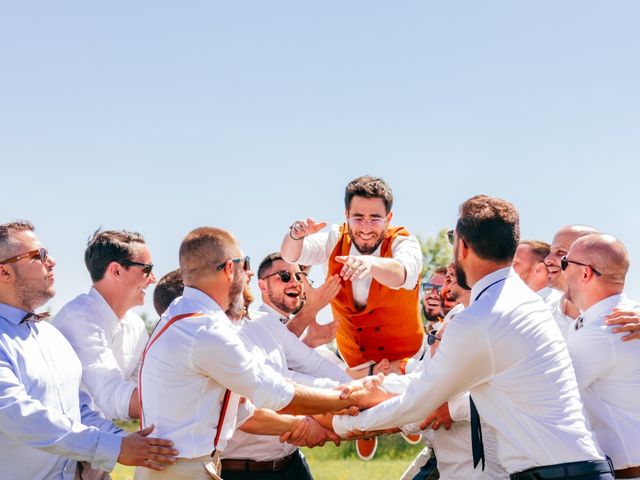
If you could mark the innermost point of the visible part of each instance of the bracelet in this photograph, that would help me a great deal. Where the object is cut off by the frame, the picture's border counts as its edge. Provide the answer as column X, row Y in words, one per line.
column 291, row 235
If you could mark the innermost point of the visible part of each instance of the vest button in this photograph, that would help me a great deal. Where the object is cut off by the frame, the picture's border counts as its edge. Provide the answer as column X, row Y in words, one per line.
column 362, row 349
column 359, row 329
column 381, row 348
column 376, row 329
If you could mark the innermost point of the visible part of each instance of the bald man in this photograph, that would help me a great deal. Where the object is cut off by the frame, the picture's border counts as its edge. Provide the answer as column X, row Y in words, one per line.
column 607, row 370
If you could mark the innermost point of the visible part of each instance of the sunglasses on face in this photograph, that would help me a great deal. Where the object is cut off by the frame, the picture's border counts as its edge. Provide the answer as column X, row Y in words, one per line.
column 41, row 253
column 564, row 263
column 147, row 268
column 374, row 222
column 450, row 237
column 286, row 276
column 432, row 337
column 246, row 263
column 428, row 288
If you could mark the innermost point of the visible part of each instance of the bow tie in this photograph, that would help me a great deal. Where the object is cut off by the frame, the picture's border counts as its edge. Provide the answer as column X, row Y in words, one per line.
column 579, row 323
column 34, row 317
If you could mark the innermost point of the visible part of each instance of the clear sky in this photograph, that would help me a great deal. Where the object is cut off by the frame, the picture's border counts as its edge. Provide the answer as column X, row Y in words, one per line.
column 163, row 116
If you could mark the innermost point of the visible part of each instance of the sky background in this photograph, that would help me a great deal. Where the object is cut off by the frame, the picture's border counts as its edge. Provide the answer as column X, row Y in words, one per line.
column 164, row 116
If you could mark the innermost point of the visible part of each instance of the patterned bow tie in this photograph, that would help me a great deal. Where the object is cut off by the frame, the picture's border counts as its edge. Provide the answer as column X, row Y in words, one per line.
column 34, row 317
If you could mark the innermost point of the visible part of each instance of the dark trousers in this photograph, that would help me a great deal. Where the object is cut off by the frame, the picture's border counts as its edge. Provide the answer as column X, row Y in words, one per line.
column 587, row 470
column 296, row 470
column 429, row 471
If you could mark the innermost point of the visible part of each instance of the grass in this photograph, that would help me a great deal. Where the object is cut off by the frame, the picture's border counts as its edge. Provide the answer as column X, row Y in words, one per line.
column 341, row 463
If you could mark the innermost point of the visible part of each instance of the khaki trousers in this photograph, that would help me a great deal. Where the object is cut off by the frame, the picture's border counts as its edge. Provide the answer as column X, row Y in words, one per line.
column 184, row 468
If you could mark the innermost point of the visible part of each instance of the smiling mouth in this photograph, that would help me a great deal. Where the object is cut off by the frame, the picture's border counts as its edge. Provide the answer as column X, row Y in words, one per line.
column 292, row 294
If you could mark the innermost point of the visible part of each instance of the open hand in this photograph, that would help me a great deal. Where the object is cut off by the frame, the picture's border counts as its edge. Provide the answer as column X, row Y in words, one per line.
column 439, row 417
column 302, row 228
column 628, row 321
column 355, row 266
column 140, row 450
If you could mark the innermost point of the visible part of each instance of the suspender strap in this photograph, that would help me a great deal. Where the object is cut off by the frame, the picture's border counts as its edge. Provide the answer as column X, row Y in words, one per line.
column 223, row 412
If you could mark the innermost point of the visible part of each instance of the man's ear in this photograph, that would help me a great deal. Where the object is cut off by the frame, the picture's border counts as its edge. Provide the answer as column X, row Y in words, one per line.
column 389, row 217
column 463, row 249
column 262, row 285
column 114, row 270
column 7, row 275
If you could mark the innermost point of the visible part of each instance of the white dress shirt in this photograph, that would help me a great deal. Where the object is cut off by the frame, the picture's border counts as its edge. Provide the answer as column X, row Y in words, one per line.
column 554, row 299
column 506, row 349
column 269, row 340
column 46, row 423
column 317, row 248
column 109, row 349
column 188, row 369
column 608, row 373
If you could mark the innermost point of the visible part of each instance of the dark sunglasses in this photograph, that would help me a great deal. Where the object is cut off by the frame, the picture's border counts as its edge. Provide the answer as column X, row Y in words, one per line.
column 40, row 253
column 246, row 263
column 286, row 276
column 147, row 268
column 564, row 263
column 427, row 288
column 432, row 337
column 450, row 237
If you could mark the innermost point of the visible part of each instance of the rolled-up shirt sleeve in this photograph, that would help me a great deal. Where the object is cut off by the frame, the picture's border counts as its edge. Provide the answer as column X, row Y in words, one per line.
column 233, row 366
column 407, row 251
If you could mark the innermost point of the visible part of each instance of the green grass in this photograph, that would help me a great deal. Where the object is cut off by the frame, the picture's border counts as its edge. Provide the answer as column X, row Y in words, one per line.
column 341, row 463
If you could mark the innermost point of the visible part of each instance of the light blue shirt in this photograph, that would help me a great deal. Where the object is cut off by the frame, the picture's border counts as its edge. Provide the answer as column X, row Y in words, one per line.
column 46, row 423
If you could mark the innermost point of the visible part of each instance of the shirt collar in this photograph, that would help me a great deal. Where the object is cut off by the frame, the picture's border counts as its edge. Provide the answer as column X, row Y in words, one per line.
column 603, row 307
column 199, row 297
column 270, row 310
column 12, row 314
column 102, row 304
column 489, row 279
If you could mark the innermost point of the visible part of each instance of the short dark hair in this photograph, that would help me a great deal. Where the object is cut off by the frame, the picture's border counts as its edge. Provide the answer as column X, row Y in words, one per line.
column 168, row 288
column 369, row 187
column 109, row 246
column 7, row 231
column 439, row 271
column 490, row 226
column 539, row 249
column 266, row 263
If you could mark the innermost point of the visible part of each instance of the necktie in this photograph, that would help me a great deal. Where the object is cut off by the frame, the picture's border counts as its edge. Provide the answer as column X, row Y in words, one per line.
column 34, row 317
column 477, row 447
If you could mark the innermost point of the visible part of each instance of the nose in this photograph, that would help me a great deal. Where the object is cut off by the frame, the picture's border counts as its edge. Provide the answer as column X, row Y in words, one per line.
column 152, row 278
column 51, row 261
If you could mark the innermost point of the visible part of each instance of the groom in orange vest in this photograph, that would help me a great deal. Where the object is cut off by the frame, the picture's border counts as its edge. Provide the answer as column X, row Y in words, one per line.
column 377, row 307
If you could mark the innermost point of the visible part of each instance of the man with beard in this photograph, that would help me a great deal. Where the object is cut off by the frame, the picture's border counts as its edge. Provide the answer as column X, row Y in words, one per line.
column 195, row 359
column 432, row 310
column 46, row 423
column 106, row 334
column 507, row 350
column 608, row 371
column 378, row 306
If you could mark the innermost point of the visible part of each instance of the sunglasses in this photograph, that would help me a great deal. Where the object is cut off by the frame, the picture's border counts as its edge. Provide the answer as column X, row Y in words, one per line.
column 41, row 253
column 564, row 263
column 246, row 263
column 147, row 268
column 374, row 222
column 450, row 237
column 286, row 276
column 432, row 337
column 427, row 288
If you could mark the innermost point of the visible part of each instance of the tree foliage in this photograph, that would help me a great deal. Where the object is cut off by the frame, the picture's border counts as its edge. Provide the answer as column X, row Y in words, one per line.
column 436, row 251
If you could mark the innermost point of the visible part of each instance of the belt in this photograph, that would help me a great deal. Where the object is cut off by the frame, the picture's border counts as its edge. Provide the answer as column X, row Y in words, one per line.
column 631, row 472
column 241, row 464
column 563, row 470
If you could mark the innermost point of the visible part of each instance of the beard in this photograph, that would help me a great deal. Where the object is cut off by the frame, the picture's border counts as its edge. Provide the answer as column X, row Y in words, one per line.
column 363, row 249
column 33, row 293
column 237, row 307
column 430, row 317
column 281, row 304
column 461, row 276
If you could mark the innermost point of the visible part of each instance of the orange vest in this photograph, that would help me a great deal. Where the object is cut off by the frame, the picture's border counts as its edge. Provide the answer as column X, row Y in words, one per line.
column 389, row 326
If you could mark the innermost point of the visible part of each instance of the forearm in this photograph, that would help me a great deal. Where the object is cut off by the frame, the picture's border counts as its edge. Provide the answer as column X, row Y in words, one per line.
column 311, row 401
column 291, row 249
column 268, row 422
column 388, row 272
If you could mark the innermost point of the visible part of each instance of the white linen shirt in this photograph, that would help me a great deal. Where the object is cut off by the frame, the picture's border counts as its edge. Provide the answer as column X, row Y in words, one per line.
column 109, row 349
column 268, row 339
column 608, row 373
column 506, row 349
column 317, row 248
column 188, row 369
column 46, row 423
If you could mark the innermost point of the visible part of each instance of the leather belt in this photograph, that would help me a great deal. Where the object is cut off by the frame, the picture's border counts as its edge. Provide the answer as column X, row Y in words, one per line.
column 564, row 470
column 241, row 464
column 631, row 472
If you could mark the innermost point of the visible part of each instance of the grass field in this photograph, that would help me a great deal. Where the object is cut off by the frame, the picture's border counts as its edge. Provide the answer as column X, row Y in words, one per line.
column 341, row 463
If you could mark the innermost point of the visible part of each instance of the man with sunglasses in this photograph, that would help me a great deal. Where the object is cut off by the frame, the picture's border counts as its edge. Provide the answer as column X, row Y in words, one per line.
column 608, row 372
column 47, row 424
column 432, row 298
column 507, row 350
column 106, row 334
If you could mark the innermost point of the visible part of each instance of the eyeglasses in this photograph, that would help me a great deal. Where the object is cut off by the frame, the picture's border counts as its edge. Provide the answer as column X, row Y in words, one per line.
column 427, row 288
column 286, row 276
column 432, row 337
column 450, row 237
column 564, row 263
column 374, row 222
column 147, row 268
column 41, row 253
column 246, row 263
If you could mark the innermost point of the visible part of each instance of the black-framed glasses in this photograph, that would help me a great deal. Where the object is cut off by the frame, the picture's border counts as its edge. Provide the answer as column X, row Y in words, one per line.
column 432, row 337
column 41, row 253
column 428, row 288
column 147, row 268
column 450, row 237
column 285, row 276
column 564, row 263
column 246, row 263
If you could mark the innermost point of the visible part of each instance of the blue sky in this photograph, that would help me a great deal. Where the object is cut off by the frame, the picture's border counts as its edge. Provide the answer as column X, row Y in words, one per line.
column 164, row 116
